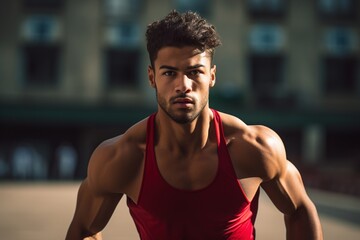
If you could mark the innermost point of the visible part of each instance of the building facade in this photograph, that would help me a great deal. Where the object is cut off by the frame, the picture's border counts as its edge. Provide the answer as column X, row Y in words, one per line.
column 73, row 73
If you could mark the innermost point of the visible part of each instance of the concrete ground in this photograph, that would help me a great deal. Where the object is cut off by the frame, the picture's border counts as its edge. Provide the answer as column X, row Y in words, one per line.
column 37, row 211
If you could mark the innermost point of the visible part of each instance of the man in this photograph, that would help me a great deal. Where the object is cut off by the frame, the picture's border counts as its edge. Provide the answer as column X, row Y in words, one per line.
column 188, row 171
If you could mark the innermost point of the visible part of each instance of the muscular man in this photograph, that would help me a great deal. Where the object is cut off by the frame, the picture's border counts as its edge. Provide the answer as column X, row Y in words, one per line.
column 188, row 171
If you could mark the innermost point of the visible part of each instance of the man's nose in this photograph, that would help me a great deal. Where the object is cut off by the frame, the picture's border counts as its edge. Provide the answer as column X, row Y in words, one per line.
column 183, row 84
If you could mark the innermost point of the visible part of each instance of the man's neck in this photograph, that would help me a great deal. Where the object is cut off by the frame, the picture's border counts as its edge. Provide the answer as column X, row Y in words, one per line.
column 189, row 137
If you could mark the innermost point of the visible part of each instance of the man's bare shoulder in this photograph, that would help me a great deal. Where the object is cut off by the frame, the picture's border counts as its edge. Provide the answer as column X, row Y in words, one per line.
column 234, row 125
column 133, row 139
column 116, row 162
column 256, row 148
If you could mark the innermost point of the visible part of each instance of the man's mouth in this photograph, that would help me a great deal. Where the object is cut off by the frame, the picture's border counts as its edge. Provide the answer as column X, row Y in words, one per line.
column 183, row 101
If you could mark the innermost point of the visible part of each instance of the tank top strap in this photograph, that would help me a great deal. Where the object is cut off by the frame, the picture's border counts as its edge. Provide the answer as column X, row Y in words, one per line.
column 150, row 130
column 150, row 167
column 150, row 161
column 224, row 156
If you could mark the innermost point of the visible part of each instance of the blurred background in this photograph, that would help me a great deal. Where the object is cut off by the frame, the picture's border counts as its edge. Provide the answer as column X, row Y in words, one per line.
column 74, row 73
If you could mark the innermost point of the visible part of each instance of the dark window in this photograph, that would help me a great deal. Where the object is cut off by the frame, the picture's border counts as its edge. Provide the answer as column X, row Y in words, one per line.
column 266, row 76
column 266, row 72
column 267, row 39
column 334, row 10
column 267, row 8
column 116, row 10
column 43, row 4
column 41, row 64
column 41, row 28
column 340, row 74
column 343, row 145
column 340, row 41
column 122, row 67
column 200, row 6
column 123, row 34
column 292, row 139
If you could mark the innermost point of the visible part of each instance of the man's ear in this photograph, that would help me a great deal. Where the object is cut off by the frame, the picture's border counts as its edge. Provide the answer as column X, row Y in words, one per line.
column 213, row 76
column 151, row 76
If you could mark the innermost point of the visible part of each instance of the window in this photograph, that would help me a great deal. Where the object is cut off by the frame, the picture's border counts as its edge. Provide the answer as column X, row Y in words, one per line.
column 121, row 9
column 43, row 4
column 340, row 74
column 337, row 9
column 267, row 8
column 41, row 28
column 266, row 72
column 340, row 65
column 200, row 6
column 342, row 145
column 292, row 139
column 123, row 34
column 340, row 41
column 266, row 63
column 41, row 51
column 41, row 65
column 122, row 67
column 267, row 38
column 123, row 54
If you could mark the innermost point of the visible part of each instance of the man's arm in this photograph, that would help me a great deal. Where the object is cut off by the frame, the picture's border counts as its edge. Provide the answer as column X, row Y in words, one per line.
column 285, row 188
column 101, row 191
column 289, row 196
column 92, row 213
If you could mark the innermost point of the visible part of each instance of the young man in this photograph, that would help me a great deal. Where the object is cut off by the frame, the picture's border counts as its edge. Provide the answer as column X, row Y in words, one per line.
column 188, row 171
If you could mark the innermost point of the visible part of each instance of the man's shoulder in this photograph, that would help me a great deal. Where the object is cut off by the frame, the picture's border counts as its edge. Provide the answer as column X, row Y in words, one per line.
column 256, row 148
column 132, row 139
column 234, row 125
column 115, row 162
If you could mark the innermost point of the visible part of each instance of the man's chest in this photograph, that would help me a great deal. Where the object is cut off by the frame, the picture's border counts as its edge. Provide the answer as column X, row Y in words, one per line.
column 188, row 172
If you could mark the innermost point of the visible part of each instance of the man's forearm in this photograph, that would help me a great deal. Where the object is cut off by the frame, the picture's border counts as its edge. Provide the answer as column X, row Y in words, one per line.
column 303, row 224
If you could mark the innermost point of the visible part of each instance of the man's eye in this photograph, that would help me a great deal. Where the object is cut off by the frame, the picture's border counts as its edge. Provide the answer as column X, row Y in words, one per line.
column 169, row 73
column 194, row 73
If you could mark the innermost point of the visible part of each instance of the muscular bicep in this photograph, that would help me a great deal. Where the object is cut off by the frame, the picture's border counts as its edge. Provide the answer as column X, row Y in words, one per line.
column 93, row 210
column 113, row 166
column 103, row 169
column 112, row 170
column 100, row 192
column 286, row 190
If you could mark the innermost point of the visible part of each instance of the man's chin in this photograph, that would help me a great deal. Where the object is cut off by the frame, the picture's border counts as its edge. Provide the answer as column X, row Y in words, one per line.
column 182, row 118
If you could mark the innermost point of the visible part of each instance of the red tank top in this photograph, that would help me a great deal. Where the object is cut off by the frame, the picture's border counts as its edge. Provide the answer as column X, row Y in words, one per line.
column 218, row 211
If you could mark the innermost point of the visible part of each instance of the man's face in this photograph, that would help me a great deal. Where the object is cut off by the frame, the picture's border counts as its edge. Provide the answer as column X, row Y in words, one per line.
column 182, row 78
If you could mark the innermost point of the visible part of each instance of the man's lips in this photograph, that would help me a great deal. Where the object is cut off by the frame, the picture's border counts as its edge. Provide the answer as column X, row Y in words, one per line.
column 183, row 100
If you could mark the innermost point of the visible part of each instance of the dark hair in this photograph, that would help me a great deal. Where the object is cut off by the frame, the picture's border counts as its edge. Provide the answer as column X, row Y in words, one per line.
column 179, row 30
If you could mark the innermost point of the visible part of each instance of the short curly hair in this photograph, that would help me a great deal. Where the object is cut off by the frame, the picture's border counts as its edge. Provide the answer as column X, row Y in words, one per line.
column 179, row 30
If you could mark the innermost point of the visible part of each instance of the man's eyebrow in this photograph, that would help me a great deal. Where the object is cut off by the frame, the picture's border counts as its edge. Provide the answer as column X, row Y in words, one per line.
column 168, row 67
column 195, row 66
column 187, row 68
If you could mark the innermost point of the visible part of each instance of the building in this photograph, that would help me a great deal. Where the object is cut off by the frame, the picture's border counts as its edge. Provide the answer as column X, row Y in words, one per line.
column 73, row 73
